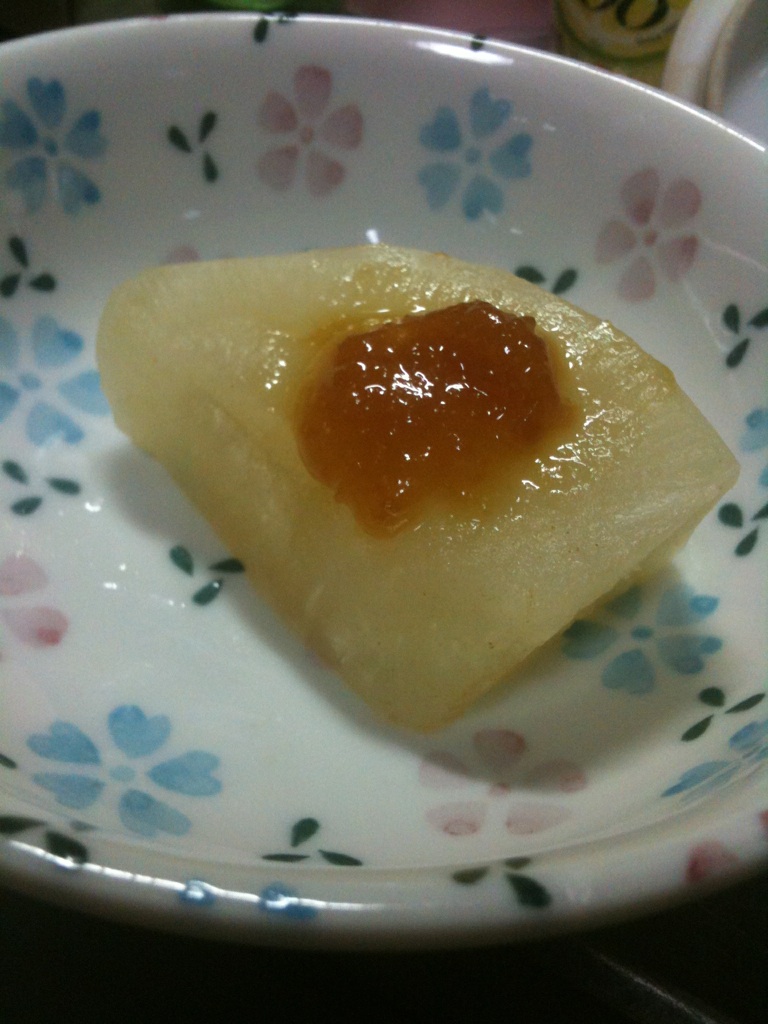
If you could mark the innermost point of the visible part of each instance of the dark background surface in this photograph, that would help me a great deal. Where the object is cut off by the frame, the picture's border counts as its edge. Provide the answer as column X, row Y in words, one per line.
column 703, row 963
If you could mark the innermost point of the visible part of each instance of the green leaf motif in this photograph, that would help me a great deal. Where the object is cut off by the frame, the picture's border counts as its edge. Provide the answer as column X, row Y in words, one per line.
column 66, row 848
column 207, row 124
column 63, row 485
column 530, row 274
column 210, row 170
column 529, row 892
column 731, row 318
column 470, row 876
column 182, row 559
column 206, row 594
column 15, row 472
column 18, row 250
column 26, row 506
column 303, row 830
column 228, row 565
column 697, row 730
column 9, row 284
column 341, row 860
column 261, row 30
column 737, row 353
column 746, row 705
column 730, row 515
column 760, row 319
column 761, row 513
column 7, row 762
column 478, row 42
column 712, row 696
column 746, row 544
column 43, row 282
column 11, row 824
column 565, row 281
column 177, row 138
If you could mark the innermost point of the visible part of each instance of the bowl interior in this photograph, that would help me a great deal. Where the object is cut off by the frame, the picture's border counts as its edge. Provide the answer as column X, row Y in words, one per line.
column 153, row 712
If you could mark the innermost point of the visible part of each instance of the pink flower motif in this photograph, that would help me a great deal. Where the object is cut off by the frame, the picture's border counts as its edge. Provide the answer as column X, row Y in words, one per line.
column 459, row 819
column 558, row 776
column 39, row 626
column 499, row 749
column 708, row 860
column 653, row 235
column 496, row 750
column 494, row 766
column 307, row 128
column 184, row 253
column 20, row 574
column 528, row 818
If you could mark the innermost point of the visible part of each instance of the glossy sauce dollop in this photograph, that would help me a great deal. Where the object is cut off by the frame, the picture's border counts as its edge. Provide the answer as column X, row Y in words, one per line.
column 428, row 409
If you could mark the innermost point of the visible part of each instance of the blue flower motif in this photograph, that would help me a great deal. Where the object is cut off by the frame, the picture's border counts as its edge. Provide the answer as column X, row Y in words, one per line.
column 45, row 143
column 137, row 737
column 633, row 670
column 274, row 899
column 277, row 898
column 32, row 380
column 749, row 746
column 755, row 437
column 507, row 160
column 756, row 434
column 198, row 893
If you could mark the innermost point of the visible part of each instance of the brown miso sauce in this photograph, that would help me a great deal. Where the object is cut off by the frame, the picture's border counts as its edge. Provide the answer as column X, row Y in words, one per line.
column 428, row 410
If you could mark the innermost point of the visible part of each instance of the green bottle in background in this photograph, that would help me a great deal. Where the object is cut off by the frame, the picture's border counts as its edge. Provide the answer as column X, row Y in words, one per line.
column 631, row 37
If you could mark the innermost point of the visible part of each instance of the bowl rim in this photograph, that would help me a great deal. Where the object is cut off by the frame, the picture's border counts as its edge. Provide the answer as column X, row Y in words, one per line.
column 687, row 67
column 721, row 67
column 71, row 890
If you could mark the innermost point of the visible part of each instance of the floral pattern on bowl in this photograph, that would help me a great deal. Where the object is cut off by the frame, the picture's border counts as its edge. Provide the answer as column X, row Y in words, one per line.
column 314, row 132
column 483, row 145
column 137, row 736
column 161, row 737
column 38, row 626
column 51, row 150
column 39, row 386
column 658, row 222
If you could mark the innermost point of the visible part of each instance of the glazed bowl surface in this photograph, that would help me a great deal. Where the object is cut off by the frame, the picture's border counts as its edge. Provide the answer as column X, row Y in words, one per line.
column 168, row 753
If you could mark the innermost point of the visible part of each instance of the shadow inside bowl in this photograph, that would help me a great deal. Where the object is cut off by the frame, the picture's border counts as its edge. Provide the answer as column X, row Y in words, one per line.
column 554, row 702
column 146, row 498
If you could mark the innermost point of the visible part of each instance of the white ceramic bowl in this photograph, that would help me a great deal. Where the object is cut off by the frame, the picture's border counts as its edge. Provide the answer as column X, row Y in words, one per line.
column 719, row 60
column 167, row 752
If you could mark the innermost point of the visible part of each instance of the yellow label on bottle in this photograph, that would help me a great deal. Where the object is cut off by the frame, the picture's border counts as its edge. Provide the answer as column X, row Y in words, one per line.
column 632, row 36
